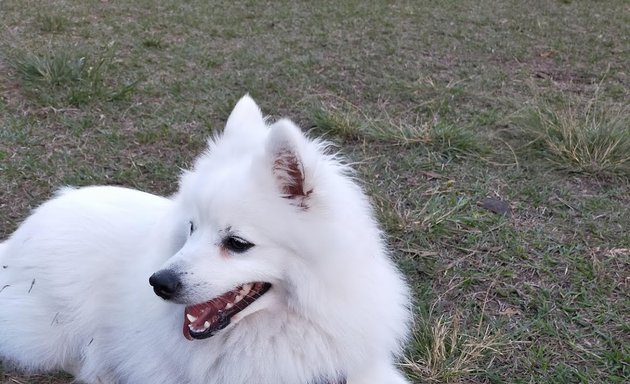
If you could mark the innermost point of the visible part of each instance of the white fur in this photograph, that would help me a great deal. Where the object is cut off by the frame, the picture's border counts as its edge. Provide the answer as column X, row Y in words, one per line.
column 77, row 295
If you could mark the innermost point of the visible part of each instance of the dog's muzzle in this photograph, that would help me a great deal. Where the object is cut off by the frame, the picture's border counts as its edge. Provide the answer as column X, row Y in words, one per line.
column 166, row 284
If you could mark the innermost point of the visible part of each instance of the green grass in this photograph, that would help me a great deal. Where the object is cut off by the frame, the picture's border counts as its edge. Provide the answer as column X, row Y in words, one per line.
column 52, row 23
column 351, row 124
column 590, row 136
column 61, row 79
column 438, row 104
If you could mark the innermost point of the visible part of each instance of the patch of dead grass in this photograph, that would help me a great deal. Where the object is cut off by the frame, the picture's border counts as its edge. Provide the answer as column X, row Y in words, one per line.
column 444, row 353
column 583, row 135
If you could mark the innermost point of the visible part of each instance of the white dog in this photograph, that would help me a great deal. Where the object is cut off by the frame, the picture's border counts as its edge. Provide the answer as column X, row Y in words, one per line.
column 268, row 258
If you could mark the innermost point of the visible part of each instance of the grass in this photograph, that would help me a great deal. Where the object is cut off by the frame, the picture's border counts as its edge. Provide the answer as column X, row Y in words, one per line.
column 440, row 106
column 590, row 136
column 444, row 354
column 352, row 124
column 62, row 79
column 52, row 23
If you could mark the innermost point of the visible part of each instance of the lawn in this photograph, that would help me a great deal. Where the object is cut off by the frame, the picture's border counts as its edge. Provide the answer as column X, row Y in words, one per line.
column 492, row 136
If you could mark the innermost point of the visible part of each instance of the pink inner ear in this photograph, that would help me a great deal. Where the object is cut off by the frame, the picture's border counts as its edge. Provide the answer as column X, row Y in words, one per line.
column 290, row 175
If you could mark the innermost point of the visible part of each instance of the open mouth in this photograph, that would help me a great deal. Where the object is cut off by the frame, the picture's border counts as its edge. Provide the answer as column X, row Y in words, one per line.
column 206, row 319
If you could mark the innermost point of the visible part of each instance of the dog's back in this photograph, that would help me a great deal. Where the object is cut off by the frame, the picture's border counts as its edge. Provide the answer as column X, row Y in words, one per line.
column 59, row 268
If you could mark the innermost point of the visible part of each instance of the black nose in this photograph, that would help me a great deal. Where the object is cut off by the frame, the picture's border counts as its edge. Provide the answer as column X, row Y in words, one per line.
column 165, row 283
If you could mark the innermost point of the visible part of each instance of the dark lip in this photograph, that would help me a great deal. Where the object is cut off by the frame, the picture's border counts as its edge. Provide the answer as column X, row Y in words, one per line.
column 226, row 315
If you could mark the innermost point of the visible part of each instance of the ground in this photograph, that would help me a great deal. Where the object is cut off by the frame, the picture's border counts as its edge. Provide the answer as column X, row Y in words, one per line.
column 492, row 136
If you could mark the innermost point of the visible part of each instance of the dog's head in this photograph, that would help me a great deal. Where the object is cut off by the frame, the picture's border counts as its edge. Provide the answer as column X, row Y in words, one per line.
column 250, row 205
column 274, row 224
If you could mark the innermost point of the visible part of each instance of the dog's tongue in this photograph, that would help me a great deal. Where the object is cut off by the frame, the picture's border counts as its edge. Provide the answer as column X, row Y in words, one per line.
column 199, row 313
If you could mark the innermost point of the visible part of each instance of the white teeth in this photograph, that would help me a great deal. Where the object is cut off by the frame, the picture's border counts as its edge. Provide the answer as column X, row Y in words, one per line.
column 206, row 325
column 191, row 318
column 238, row 298
column 246, row 288
column 229, row 305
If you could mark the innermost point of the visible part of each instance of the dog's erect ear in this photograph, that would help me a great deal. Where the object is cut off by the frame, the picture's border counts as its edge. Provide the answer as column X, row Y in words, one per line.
column 285, row 149
column 245, row 117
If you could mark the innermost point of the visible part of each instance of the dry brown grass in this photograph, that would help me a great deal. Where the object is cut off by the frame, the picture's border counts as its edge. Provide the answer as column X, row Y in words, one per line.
column 591, row 136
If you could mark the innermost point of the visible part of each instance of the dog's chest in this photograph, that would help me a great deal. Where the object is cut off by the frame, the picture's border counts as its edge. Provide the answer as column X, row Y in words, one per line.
column 288, row 354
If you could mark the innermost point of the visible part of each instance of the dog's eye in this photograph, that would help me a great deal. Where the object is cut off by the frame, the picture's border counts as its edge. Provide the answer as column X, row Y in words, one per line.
column 192, row 227
column 236, row 244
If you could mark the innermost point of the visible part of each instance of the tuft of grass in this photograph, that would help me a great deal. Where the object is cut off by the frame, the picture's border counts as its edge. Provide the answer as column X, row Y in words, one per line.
column 56, row 378
column 351, row 123
column 353, row 126
column 436, row 135
column 441, row 352
column 343, row 126
column 53, row 70
column 453, row 139
column 61, row 78
column 153, row 42
column 52, row 23
column 591, row 137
